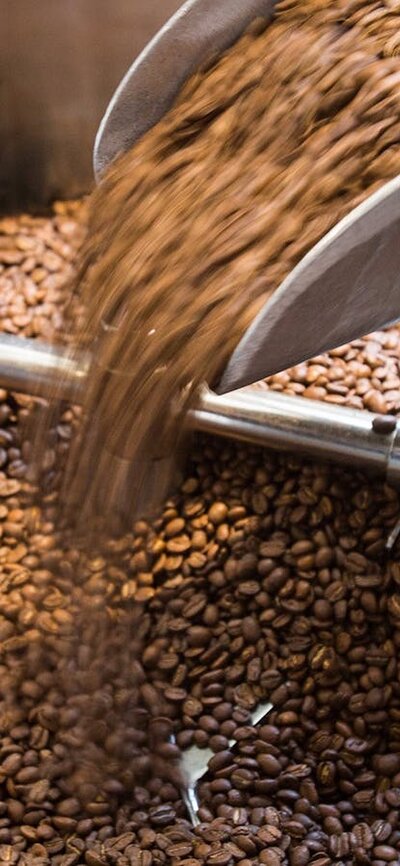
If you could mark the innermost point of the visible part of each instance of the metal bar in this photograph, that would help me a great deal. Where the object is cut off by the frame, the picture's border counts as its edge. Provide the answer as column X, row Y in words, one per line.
column 266, row 418
column 32, row 367
column 319, row 430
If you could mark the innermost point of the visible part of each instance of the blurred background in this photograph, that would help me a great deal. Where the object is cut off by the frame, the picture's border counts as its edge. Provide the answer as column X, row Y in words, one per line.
column 60, row 62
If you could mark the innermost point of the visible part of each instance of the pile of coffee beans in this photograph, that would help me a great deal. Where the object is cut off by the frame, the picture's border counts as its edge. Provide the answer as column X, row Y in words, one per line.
column 263, row 578
column 37, row 258
column 363, row 375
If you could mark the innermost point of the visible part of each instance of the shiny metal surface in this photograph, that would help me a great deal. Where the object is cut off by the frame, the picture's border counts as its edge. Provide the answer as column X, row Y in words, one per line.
column 346, row 286
column 393, row 464
column 31, row 367
column 265, row 418
column 319, row 430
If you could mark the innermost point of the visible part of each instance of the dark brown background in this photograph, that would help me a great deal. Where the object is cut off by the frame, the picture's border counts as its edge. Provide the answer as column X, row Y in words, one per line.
column 60, row 61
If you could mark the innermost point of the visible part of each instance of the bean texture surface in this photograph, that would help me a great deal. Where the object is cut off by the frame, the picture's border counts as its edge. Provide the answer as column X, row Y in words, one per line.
column 263, row 576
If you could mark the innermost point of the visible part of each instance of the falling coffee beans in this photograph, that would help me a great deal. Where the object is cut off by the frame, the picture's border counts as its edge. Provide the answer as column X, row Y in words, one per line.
column 193, row 230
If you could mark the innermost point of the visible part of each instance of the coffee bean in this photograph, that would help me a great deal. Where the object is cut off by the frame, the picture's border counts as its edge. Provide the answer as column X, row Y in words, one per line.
column 385, row 852
column 269, row 835
column 191, row 708
column 94, row 859
column 174, row 527
column 222, row 711
column 11, row 765
column 218, row 513
column 387, row 765
column 381, row 830
column 64, row 824
column 393, row 797
column 362, row 837
column 251, row 629
column 198, row 636
column 269, row 857
column 321, row 860
column 218, row 743
column 299, row 856
column 179, row 849
column 269, row 765
column 175, row 695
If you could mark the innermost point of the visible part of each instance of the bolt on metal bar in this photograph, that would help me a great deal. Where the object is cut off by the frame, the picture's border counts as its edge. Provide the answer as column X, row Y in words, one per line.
column 266, row 418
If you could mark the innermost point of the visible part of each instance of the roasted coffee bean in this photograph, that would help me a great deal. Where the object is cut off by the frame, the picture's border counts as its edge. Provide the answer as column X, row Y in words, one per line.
column 321, row 860
column 269, row 857
column 393, row 797
column 385, row 853
column 362, row 837
column 381, row 830
column 299, row 856
column 387, row 765
column 269, row 765
column 269, row 835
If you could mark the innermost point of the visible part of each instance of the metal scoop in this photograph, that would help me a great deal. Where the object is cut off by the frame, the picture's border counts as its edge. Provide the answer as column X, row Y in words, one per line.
column 194, row 765
column 347, row 285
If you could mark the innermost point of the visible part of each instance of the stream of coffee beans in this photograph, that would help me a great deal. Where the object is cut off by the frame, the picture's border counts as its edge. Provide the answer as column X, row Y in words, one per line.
column 194, row 228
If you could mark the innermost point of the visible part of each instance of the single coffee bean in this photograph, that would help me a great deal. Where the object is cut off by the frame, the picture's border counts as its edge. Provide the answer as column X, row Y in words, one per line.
column 381, row 830
column 385, row 852
column 269, row 765
column 387, row 765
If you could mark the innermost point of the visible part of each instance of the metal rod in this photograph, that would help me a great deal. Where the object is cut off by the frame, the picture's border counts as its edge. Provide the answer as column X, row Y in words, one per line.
column 32, row 367
column 266, row 418
column 319, row 430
